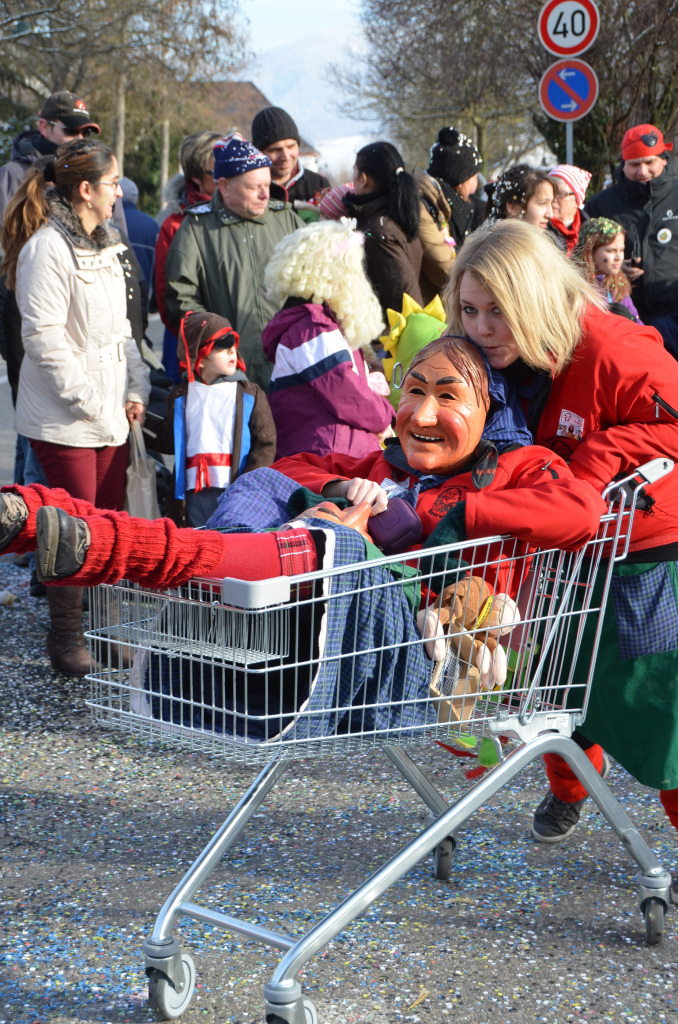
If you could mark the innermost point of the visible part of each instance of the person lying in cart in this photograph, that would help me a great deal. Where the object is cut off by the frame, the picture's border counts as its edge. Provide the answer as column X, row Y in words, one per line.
column 463, row 460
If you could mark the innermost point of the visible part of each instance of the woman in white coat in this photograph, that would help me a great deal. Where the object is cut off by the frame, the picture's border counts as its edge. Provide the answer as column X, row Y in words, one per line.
column 82, row 380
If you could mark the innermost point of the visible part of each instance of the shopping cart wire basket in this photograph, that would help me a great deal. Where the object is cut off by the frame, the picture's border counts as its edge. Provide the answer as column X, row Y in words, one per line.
column 332, row 663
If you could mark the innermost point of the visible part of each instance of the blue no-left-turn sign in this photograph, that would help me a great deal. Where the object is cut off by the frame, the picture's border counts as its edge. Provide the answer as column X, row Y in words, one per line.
column 568, row 89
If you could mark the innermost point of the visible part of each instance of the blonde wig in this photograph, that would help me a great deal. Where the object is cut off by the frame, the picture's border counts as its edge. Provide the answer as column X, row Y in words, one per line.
column 541, row 294
column 324, row 262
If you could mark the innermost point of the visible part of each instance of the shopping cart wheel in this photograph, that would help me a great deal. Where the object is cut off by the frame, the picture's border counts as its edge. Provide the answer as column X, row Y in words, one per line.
column 442, row 858
column 309, row 1010
column 163, row 996
column 654, row 909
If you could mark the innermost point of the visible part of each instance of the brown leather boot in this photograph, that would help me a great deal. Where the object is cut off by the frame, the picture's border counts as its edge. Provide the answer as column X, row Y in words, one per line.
column 66, row 644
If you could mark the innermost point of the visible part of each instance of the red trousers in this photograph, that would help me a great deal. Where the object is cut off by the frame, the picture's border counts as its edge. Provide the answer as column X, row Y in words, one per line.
column 159, row 554
column 566, row 786
column 96, row 474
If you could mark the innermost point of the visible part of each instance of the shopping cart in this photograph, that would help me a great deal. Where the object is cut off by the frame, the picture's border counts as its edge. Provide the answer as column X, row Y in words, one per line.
column 331, row 663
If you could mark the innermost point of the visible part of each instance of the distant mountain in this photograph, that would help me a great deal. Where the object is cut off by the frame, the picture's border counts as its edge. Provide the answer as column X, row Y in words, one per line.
column 295, row 76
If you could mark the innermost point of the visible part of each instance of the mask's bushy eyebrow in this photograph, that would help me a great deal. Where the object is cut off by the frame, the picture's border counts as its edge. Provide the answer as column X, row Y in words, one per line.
column 449, row 380
column 419, row 376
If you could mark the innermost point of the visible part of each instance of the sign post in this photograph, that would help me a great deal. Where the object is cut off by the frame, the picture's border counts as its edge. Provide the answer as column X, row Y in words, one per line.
column 569, row 88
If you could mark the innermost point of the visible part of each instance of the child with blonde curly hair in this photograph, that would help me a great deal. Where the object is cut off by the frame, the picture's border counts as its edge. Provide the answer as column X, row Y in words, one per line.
column 600, row 250
column 322, row 394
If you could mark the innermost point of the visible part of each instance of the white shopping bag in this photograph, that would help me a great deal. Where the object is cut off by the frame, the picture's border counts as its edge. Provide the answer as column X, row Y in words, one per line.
column 141, row 498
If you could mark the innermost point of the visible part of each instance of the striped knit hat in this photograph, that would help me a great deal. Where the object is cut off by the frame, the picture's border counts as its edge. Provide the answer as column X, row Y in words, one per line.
column 575, row 179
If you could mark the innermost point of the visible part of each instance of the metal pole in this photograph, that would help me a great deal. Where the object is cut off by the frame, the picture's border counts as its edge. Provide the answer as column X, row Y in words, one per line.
column 569, row 158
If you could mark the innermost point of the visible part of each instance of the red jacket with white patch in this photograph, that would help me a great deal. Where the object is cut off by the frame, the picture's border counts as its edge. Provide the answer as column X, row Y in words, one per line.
column 615, row 407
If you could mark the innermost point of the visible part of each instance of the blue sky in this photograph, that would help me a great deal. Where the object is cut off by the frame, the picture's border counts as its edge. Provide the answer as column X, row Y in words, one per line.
column 277, row 22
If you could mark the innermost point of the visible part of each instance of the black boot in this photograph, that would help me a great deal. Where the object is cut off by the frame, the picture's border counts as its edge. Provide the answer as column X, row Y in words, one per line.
column 66, row 644
column 62, row 542
column 13, row 515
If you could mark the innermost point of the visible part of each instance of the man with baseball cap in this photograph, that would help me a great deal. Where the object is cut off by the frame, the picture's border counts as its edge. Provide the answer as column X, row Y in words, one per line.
column 217, row 258
column 62, row 118
column 644, row 200
column 277, row 136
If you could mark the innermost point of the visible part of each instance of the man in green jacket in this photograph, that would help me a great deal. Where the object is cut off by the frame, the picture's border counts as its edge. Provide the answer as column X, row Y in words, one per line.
column 217, row 259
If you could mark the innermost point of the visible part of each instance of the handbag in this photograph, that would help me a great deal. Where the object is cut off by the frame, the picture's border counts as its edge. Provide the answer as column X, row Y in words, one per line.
column 141, row 497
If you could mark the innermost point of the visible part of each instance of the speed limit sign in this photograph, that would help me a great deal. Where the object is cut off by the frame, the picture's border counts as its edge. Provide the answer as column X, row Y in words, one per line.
column 568, row 27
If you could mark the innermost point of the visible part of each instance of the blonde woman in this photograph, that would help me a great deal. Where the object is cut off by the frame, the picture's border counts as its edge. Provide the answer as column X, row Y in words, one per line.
column 602, row 393
column 323, row 397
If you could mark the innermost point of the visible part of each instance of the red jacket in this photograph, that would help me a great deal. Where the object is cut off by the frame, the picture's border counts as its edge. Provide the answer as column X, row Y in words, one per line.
column 168, row 230
column 550, row 508
column 614, row 407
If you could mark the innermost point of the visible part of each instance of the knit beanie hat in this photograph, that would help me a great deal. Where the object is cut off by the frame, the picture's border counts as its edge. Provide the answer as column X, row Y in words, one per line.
column 329, row 201
column 234, row 155
column 575, row 178
column 271, row 125
column 644, row 140
column 200, row 333
column 454, row 158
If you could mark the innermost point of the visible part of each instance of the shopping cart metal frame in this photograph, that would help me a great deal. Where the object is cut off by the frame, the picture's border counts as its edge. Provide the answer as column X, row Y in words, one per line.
column 541, row 725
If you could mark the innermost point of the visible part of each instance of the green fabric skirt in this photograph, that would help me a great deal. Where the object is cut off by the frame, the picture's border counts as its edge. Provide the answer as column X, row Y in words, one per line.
column 633, row 706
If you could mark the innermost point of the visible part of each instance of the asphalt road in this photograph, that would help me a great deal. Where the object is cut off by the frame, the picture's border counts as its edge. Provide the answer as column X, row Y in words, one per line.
column 97, row 828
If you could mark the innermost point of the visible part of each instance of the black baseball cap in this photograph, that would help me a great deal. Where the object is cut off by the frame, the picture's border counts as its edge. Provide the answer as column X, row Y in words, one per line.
column 70, row 110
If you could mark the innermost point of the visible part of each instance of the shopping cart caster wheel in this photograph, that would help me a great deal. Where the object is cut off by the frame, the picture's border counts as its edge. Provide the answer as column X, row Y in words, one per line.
column 654, row 910
column 163, row 996
column 310, row 1012
column 442, row 858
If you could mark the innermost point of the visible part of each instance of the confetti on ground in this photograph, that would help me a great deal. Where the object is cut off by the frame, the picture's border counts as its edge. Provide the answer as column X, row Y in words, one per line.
column 97, row 828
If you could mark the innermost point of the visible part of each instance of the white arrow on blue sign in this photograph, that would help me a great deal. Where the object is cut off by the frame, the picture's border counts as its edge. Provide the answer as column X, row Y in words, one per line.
column 568, row 89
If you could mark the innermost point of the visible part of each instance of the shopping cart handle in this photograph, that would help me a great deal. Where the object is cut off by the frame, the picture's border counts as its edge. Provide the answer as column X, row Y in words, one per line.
column 252, row 594
column 654, row 470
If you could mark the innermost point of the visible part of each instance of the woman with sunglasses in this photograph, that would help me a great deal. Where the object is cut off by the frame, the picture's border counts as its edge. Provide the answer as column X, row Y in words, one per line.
column 82, row 381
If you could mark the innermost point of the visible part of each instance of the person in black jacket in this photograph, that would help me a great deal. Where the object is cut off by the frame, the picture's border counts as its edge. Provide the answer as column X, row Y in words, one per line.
column 277, row 136
column 644, row 200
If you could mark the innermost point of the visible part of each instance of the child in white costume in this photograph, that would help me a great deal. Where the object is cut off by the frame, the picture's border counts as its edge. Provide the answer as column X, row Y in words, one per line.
column 220, row 422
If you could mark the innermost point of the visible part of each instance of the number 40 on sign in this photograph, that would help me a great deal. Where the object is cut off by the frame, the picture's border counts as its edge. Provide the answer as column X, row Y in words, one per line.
column 568, row 27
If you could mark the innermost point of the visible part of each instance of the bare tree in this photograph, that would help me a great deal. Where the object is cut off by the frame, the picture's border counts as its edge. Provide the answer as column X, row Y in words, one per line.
column 139, row 63
column 477, row 64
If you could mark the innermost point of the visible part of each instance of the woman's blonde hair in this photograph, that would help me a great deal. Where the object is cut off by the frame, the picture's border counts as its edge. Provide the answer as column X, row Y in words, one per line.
column 324, row 262
column 541, row 294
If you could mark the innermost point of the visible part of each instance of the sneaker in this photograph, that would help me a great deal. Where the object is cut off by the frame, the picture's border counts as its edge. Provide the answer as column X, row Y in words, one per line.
column 555, row 820
column 62, row 544
column 13, row 515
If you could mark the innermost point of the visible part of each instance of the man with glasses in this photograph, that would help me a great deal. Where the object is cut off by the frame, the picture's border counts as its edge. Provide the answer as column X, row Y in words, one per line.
column 63, row 117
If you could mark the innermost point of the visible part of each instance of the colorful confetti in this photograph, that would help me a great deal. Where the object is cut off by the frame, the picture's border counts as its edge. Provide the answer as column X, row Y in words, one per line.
column 98, row 828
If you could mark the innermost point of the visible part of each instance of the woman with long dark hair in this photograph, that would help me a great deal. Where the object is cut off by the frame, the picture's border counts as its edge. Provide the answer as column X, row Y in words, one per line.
column 521, row 192
column 82, row 381
column 385, row 205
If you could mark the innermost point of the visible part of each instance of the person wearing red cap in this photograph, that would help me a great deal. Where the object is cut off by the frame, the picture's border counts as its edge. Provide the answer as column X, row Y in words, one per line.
column 644, row 200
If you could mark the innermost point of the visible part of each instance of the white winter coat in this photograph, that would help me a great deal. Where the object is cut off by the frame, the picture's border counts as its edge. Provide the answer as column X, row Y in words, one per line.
column 81, row 363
